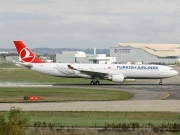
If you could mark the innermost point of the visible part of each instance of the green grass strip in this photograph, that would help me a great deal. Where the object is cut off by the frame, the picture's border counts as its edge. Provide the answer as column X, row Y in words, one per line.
column 62, row 94
column 99, row 119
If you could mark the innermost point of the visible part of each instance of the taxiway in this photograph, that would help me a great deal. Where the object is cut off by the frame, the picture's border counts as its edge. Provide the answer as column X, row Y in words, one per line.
column 130, row 106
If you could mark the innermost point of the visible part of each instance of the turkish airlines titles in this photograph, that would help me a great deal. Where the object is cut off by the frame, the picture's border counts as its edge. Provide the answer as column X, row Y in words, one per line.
column 138, row 67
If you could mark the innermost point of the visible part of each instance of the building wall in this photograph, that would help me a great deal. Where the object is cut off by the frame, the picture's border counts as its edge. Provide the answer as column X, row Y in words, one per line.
column 82, row 60
column 65, row 58
column 125, row 54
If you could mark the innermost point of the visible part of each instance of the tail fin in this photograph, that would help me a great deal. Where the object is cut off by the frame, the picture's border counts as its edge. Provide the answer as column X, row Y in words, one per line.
column 25, row 54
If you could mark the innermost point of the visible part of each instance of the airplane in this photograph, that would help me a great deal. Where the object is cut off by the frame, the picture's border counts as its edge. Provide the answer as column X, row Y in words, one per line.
column 114, row 72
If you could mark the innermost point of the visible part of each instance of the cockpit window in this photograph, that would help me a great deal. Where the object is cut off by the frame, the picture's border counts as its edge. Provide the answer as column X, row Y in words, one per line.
column 171, row 69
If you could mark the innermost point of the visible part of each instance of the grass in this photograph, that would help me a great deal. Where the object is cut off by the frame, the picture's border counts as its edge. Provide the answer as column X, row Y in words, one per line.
column 100, row 119
column 61, row 94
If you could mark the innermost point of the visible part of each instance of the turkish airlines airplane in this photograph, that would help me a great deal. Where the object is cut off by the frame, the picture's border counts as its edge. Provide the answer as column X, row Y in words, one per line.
column 95, row 72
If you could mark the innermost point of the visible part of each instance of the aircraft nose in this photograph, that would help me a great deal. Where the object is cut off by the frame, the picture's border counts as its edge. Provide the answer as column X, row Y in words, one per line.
column 176, row 72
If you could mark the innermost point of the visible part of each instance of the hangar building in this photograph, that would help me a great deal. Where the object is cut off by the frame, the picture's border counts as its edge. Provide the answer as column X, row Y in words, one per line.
column 146, row 53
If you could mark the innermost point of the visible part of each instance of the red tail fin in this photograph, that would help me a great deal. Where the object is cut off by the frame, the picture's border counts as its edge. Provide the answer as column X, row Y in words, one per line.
column 25, row 54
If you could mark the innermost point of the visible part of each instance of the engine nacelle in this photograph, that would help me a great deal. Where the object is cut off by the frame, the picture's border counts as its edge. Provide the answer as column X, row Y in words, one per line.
column 117, row 78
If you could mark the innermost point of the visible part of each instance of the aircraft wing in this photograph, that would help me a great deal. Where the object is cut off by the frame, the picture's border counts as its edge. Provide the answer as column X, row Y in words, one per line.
column 89, row 72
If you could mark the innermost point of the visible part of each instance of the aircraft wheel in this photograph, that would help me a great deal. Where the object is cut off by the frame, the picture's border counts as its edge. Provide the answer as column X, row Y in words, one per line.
column 160, row 83
column 97, row 82
column 92, row 82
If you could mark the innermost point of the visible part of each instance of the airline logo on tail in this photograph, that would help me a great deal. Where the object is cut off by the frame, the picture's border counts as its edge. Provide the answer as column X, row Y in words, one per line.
column 25, row 54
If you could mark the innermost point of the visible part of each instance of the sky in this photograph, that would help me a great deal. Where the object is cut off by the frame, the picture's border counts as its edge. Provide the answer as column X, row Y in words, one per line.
column 88, row 23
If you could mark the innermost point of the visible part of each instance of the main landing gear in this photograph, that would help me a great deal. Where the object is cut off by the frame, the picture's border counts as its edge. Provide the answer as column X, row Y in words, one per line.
column 95, row 81
column 160, row 82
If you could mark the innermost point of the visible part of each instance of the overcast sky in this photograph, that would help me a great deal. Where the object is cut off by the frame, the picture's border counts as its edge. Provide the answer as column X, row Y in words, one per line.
column 88, row 23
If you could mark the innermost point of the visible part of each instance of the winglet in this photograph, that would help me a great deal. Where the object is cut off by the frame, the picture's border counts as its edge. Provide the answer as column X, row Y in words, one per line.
column 25, row 54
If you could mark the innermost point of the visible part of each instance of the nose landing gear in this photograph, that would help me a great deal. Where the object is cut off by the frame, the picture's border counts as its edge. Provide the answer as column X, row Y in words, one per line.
column 160, row 82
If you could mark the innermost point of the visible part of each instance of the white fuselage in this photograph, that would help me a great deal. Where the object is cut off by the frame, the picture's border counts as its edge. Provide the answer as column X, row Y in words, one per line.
column 86, row 70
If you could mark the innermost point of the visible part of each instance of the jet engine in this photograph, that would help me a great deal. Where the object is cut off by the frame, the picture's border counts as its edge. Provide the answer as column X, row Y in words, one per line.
column 117, row 78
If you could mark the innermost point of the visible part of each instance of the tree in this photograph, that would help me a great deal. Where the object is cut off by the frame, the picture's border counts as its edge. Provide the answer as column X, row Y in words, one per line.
column 16, row 123
column 4, row 57
column 2, row 125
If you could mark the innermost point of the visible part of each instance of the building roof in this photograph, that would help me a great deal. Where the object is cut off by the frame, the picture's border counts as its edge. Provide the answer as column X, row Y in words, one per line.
column 80, row 52
column 73, row 52
column 161, row 50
